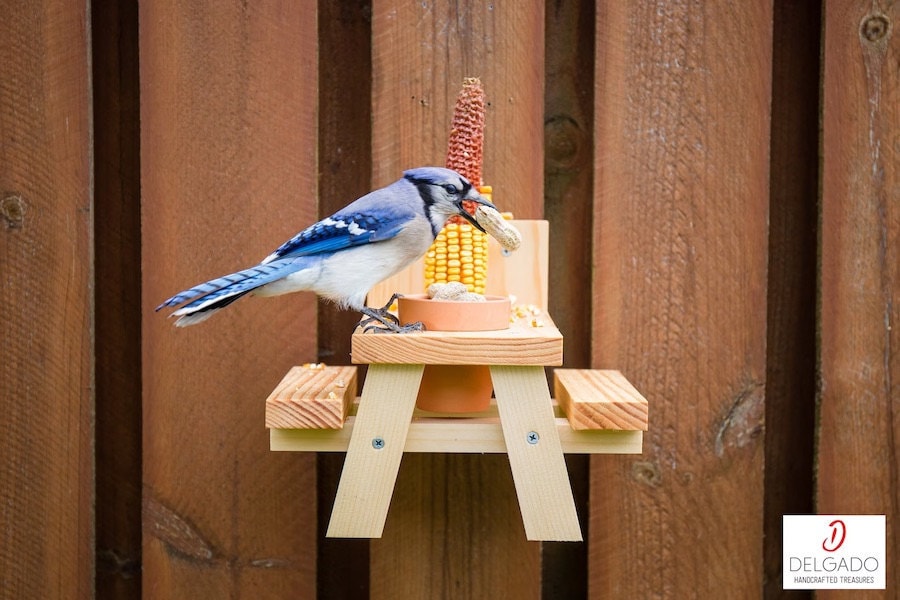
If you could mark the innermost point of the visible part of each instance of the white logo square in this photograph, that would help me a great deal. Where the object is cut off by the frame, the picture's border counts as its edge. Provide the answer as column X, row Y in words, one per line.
column 834, row 552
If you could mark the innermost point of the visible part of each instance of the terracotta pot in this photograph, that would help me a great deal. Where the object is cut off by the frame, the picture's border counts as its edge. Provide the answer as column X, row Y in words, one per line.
column 455, row 388
column 447, row 315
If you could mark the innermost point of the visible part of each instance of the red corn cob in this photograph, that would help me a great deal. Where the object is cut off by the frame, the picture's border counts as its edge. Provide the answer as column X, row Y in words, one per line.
column 465, row 148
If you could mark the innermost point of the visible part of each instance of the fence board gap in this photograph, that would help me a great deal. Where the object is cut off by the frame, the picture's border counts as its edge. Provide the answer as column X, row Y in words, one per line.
column 792, row 280
column 117, row 317
column 345, row 170
column 568, row 206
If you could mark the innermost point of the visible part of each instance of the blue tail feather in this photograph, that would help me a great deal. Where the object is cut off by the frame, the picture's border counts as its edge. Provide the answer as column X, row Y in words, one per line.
column 230, row 287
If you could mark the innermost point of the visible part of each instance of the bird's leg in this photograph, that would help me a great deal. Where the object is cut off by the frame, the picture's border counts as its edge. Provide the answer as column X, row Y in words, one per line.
column 382, row 314
column 387, row 322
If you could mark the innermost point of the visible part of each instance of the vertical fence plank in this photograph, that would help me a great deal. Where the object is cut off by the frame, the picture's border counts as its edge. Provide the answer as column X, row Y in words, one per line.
column 859, row 421
column 792, row 289
column 422, row 51
column 117, row 320
column 682, row 133
column 228, row 149
column 454, row 529
column 46, row 338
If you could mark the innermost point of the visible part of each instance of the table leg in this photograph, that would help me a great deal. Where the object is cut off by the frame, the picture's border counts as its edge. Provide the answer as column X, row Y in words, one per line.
column 535, row 454
column 375, row 450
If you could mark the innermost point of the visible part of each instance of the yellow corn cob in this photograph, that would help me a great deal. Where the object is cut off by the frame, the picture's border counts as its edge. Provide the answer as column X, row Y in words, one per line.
column 459, row 252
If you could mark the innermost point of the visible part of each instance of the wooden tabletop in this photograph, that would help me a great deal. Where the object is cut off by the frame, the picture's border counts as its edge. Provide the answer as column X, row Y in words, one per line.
column 531, row 340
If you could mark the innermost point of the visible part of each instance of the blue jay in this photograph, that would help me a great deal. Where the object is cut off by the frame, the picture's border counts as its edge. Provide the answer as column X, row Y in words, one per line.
column 342, row 257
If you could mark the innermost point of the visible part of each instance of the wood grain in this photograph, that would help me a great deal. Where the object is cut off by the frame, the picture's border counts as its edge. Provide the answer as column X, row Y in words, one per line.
column 470, row 435
column 535, row 454
column 521, row 344
column 46, row 341
column 859, row 398
column 599, row 399
column 312, row 397
column 441, row 502
column 228, row 96
column 682, row 96
column 375, row 450
column 420, row 54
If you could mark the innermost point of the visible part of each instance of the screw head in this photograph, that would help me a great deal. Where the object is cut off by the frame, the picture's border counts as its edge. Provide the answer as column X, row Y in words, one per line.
column 378, row 443
column 533, row 437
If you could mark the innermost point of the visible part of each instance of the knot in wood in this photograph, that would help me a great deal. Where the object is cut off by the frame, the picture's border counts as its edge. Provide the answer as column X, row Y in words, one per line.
column 647, row 472
column 12, row 208
column 563, row 139
column 874, row 27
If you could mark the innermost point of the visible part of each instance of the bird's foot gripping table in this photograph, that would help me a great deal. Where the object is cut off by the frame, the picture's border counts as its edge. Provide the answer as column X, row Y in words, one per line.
column 315, row 408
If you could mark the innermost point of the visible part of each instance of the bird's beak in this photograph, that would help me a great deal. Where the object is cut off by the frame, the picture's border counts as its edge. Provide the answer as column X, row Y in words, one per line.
column 474, row 196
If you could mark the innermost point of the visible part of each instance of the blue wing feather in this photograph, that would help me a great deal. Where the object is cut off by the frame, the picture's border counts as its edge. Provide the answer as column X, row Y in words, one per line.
column 377, row 216
column 340, row 231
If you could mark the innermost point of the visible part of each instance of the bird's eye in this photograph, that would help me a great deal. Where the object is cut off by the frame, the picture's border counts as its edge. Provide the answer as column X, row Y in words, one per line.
column 451, row 189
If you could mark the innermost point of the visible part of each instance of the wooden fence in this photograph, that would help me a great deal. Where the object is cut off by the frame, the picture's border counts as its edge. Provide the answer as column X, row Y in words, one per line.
column 721, row 185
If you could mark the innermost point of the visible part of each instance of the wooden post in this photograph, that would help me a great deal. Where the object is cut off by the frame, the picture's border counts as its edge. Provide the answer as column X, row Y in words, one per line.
column 46, row 337
column 228, row 96
column 421, row 52
column 682, row 165
column 857, row 463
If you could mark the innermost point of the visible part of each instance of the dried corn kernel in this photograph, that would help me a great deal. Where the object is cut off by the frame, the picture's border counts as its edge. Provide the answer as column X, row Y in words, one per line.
column 463, row 259
column 466, row 144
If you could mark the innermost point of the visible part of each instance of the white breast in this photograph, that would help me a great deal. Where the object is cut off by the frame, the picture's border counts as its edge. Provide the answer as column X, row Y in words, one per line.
column 347, row 276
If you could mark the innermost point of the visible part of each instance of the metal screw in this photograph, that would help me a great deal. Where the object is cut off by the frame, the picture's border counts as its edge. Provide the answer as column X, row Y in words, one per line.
column 533, row 437
column 378, row 443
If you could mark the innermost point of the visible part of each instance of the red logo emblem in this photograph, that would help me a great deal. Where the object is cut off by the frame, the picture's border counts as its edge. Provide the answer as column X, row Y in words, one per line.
column 836, row 539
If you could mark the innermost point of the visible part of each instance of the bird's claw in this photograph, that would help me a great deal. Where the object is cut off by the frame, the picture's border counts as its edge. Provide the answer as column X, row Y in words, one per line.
column 390, row 317
column 381, row 320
